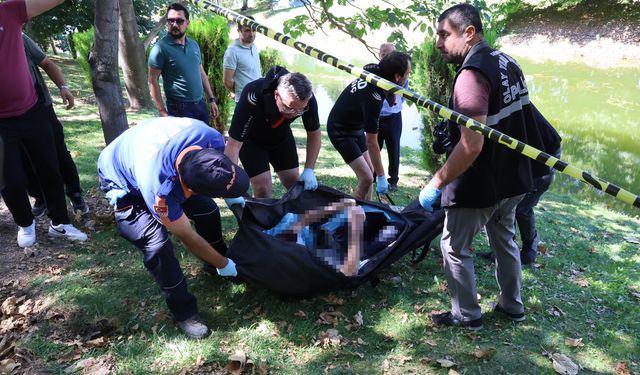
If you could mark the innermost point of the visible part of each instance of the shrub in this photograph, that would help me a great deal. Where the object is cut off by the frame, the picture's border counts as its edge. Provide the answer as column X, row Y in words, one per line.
column 270, row 57
column 82, row 42
column 212, row 35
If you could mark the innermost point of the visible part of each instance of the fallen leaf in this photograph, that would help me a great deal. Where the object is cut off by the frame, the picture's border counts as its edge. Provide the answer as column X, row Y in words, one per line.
column 300, row 314
column 442, row 287
column 359, row 319
column 634, row 240
column 96, row 343
column 330, row 337
column 483, row 353
column 8, row 365
column 360, row 355
column 9, row 306
column 431, row 343
column 405, row 318
column 621, row 368
column 236, row 362
column 262, row 367
column 453, row 372
column 445, row 362
column 330, row 317
column 361, row 341
column 555, row 311
column 581, row 282
column 402, row 359
column 564, row 365
column 574, row 343
column 333, row 300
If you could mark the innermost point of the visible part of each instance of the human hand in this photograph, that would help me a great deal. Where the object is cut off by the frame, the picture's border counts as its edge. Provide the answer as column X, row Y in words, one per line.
column 214, row 109
column 382, row 186
column 428, row 196
column 67, row 97
column 228, row 270
column 309, row 179
column 163, row 113
column 231, row 201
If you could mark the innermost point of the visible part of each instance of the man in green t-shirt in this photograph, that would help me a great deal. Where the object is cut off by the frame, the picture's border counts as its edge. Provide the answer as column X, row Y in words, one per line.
column 177, row 59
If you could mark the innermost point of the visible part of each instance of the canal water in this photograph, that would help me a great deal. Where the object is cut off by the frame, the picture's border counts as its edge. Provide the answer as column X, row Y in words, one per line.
column 596, row 111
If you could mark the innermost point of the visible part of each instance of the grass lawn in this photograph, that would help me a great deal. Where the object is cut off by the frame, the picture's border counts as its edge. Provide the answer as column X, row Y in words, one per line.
column 586, row 286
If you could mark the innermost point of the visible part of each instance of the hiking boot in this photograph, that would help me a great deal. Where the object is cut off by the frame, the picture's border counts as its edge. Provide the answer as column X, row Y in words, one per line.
column 79, row 204
column 193, row 327
column 39, row 207
column 67, row 231
column 446, row 319
column 27, row 235
column 393, row 188
column 527, row 257
column 489, row 255
column 514, row 317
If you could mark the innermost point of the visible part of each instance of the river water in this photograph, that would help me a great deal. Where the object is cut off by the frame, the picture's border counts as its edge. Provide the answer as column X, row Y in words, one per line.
column 596, row 111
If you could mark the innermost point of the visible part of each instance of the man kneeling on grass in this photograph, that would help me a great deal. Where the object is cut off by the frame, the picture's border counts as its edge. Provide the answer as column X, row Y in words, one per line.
column 158, row 175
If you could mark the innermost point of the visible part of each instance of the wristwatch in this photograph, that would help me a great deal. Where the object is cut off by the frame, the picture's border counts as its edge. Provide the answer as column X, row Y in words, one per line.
column 64, row 87
column 212, row 99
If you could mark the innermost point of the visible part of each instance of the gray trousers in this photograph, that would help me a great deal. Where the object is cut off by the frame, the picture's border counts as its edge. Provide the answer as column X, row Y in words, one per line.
column 460, row 227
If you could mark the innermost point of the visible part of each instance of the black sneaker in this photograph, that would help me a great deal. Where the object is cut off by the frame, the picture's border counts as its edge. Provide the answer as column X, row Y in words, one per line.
column 446, row 319
column 39, row 207
column 489, row 255
column 527, row 257
column 393, row 188
column 514, row 317
column 79, row 204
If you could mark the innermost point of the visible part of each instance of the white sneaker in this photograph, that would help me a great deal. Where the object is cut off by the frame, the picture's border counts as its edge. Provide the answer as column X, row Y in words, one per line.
column 193, row 327
column 67, row 231
column 27, row 235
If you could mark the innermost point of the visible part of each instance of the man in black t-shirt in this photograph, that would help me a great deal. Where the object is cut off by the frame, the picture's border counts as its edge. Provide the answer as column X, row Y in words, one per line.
column 353, row 122
column 260, row 132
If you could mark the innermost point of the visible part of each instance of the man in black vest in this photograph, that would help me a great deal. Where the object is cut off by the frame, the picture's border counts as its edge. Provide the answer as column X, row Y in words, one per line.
column 482, row 181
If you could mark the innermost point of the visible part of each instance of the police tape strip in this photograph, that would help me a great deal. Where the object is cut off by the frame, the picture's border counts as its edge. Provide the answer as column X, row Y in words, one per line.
column 514, row 144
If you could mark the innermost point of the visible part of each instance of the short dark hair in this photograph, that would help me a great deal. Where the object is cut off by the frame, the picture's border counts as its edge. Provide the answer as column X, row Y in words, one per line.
column 178, row 7
column 461, row 16
column 394, row 63
column 240, row 25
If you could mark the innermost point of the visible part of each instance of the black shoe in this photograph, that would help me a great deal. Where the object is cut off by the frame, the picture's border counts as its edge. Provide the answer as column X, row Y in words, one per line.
column 79, row 204
column 527, row 257
column 39, row 207
column 446, row 319
column 514, row 317
column 393, row 188
column 489, row 255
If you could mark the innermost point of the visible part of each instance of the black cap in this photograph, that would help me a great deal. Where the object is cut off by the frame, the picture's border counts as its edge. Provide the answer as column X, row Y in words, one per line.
column 210, row 172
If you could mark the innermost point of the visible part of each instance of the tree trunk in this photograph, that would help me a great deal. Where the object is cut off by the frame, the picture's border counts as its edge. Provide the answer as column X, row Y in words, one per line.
column 53, row 46
column 155, row 31
column 103, row 60
column 132, row 58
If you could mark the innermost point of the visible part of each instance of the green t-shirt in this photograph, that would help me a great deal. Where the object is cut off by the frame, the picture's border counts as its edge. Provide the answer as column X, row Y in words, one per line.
column 180, row 66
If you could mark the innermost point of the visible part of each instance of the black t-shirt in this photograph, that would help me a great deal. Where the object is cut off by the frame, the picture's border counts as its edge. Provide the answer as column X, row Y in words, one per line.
column 358, row 107
column 258, row 119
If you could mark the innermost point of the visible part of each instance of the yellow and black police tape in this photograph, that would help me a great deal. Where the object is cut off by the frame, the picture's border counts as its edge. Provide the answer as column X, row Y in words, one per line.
column 494, row 135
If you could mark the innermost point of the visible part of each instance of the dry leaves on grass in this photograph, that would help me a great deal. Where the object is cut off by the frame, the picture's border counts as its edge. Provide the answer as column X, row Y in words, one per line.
column 8, row 365
column 574, row 343
column 484, row 353
column 634, row 240
column 102, row 365
column 564, row 365
column 621, row 368
column 580, row 282
column 330, row 337
column 359, row 319
column 555, row 311
column 330, row 317
column 333, row 300
column 446, row 363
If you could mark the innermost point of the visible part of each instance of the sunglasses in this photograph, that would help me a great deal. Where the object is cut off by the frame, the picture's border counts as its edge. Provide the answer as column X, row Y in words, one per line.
column 177, row 21
column 288, row 110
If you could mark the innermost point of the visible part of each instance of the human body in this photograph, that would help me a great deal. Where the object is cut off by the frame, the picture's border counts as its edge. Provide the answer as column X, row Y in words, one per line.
column 25, row 125
column 241, row 62
column 260, row 133
column 159, row 174
column 482, row 182
column 352, row 125
column 177, row 59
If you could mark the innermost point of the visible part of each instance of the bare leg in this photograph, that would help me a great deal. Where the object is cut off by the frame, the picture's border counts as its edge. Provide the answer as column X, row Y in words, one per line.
column 288, row 177
column 364, row 172
column 261, row 185
column 356, row 217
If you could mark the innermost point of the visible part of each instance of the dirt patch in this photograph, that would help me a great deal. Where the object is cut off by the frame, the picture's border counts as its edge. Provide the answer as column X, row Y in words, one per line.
column 599, row 33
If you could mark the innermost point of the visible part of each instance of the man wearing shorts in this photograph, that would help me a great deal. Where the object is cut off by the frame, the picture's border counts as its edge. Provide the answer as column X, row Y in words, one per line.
column 260, row 132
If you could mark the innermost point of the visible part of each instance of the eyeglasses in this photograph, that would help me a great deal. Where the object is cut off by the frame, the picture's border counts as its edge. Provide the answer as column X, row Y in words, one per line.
column 285, row 109
column 177, row 21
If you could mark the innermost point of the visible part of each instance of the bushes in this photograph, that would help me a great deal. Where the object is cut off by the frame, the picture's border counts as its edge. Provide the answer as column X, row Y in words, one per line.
column 212, row 35
column 270, row 57
column 82, row 42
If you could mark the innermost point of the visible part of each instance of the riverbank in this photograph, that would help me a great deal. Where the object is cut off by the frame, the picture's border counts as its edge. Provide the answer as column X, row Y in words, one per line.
column 598, row 33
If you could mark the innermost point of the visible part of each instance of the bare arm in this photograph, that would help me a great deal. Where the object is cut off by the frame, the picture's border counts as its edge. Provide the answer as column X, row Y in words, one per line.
column 154, row 89
column 374, row 153
column 229, row 82
column 462, row 156
column 207, row 89
column 318, row 214
column 37, row 7
column 314, row 142
column 55, row 73
column 232, row 149
column 197, row 245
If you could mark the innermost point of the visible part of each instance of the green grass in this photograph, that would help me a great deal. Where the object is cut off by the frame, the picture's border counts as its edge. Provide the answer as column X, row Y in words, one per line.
column 106, row 289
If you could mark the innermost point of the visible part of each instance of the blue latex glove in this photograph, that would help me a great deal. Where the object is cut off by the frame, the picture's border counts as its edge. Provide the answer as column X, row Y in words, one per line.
column 382, row 186
column 428, row 196
column 231, row 201
column 309, row 179
column 114, row 194
column 229, row 269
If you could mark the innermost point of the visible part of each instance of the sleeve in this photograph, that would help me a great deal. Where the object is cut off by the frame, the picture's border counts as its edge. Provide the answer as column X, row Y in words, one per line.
column 34, row 53
column 198, row 53
column 310, row 118
column 18, row 11
column 156, row 57
column 371, row 106
column 471, row 94
column 230, row 60
column 245, row 113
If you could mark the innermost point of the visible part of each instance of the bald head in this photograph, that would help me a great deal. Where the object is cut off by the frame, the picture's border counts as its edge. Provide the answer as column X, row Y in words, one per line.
column 385, row 49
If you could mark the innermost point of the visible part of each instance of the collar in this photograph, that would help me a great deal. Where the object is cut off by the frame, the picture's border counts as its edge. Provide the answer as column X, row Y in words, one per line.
column 239, row 44
column 185, row 189
column 172, row 41
column 475, row 49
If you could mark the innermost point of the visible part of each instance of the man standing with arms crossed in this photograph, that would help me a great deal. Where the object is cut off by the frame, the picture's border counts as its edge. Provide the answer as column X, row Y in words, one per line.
column 177, row 59
column 241, row 62
column 482, row 181
column 24, row 125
